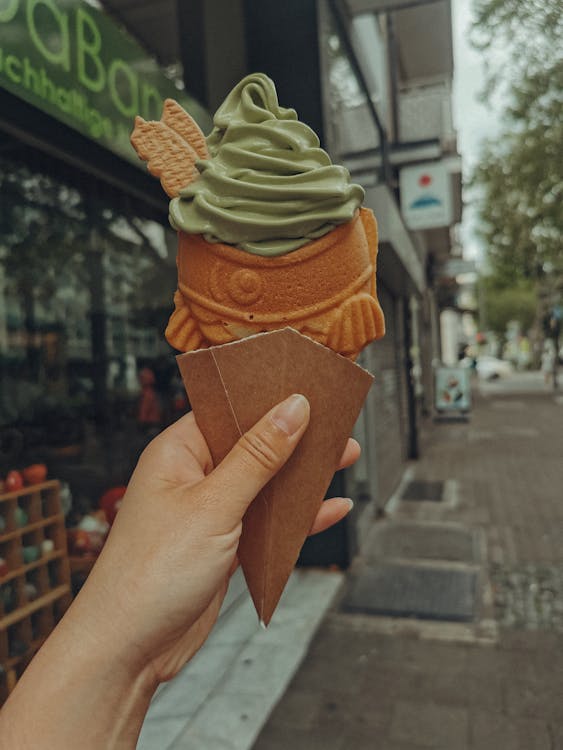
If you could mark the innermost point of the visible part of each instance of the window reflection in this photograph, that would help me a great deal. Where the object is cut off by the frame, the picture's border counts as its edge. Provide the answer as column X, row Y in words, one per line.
column 85, row 293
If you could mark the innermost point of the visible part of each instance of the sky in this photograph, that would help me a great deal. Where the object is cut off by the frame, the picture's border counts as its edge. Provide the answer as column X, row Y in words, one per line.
column 473, row 120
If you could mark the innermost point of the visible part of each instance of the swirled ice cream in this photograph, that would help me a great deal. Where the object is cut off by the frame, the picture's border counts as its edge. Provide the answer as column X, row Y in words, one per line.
column 267, row 187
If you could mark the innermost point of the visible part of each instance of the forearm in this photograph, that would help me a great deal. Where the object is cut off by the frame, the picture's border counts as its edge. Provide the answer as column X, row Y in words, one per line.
column 77, row 693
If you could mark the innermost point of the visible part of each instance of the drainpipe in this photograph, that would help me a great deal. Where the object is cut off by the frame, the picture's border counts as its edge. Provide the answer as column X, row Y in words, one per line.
column 393, row 62
column 412, row 437
column 341, row 19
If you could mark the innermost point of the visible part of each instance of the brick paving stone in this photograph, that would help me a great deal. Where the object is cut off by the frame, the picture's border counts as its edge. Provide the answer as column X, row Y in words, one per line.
column 465, row 690
column 537, row 699
column 362, row 741
column 538, row 643
column 339, row 722
column 493, row 731
column 430, row 725
column 274, row 738
column 366, row 712
column 324, row 668
column 432, row 655
column 404, row 652
column 484, row 661
column 556, row 734
column 506, row 666
column 448, row 689
column 302, row 706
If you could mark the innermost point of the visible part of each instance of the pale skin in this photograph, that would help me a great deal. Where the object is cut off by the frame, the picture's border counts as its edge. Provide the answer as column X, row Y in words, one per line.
column 156, row 591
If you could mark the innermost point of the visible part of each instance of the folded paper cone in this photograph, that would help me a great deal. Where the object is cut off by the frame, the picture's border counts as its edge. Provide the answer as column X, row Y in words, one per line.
column 230, row 388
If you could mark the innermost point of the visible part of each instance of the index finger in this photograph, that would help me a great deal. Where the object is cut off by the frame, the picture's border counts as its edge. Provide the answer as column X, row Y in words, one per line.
column 351, row 453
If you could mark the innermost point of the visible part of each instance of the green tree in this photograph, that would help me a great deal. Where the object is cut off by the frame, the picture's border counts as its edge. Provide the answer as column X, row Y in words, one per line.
column 519, row 40
column 501, row 305
column 520, row 176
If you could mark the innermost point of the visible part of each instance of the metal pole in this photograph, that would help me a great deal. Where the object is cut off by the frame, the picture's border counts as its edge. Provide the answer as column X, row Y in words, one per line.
column 340, row 17
column 412, row 446
column 392, row 57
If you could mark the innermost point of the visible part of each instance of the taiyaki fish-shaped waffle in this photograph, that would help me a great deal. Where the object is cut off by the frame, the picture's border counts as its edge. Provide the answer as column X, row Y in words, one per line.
column 271, row 234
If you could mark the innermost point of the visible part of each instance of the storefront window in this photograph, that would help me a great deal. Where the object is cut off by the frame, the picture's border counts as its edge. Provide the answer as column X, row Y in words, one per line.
column 85, row 293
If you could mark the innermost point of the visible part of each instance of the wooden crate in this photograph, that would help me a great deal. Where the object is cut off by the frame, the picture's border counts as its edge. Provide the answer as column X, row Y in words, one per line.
column 35, row 592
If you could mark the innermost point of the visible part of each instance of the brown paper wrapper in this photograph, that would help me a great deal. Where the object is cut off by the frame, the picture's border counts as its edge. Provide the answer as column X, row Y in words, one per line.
column 230, row 388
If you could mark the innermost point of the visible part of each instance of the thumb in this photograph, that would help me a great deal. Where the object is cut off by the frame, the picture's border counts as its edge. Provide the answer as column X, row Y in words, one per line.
column 258, row 455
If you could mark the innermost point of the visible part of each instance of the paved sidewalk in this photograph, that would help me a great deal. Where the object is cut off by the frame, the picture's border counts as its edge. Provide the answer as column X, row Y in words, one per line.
column 371, row 682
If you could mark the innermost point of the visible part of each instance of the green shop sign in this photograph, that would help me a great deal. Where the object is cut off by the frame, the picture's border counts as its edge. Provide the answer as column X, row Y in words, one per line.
column 70, row 60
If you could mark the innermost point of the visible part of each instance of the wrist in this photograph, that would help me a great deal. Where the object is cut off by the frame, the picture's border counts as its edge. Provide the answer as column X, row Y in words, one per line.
column 104, row 633
column 79, row 692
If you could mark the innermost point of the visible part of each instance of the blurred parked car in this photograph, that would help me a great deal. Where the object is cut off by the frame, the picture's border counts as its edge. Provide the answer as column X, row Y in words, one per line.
column 491, row 368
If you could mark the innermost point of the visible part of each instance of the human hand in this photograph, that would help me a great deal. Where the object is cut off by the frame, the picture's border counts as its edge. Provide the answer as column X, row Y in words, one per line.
column 162, row 576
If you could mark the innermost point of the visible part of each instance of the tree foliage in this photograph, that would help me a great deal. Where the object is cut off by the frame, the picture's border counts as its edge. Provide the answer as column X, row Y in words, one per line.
column 520, row 175
column 502, row 304
column 518, row 38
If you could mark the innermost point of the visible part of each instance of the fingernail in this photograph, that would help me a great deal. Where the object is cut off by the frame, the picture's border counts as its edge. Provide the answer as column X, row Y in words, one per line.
column 350, row 503
column 291, row 414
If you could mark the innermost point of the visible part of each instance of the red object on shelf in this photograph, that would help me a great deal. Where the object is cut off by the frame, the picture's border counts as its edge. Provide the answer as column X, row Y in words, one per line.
column 34, row 474
column 79, row 542
column 90, row 535
column 13, row 482
column 110, row 502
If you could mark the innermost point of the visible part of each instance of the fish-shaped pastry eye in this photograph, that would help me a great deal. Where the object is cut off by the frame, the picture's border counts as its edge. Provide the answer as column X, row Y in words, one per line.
column 245, row 286
column 170, row 146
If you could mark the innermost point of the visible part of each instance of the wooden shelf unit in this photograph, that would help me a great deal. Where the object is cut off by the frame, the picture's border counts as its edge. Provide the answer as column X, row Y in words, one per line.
column 29, row 613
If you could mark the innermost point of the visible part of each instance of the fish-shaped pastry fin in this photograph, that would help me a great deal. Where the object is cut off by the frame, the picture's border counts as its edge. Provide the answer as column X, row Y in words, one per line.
column 182, row 331
column 359, row 321
column 170, row 146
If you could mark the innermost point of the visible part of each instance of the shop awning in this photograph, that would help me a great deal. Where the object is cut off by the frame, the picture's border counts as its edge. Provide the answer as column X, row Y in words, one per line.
column 154, row 23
